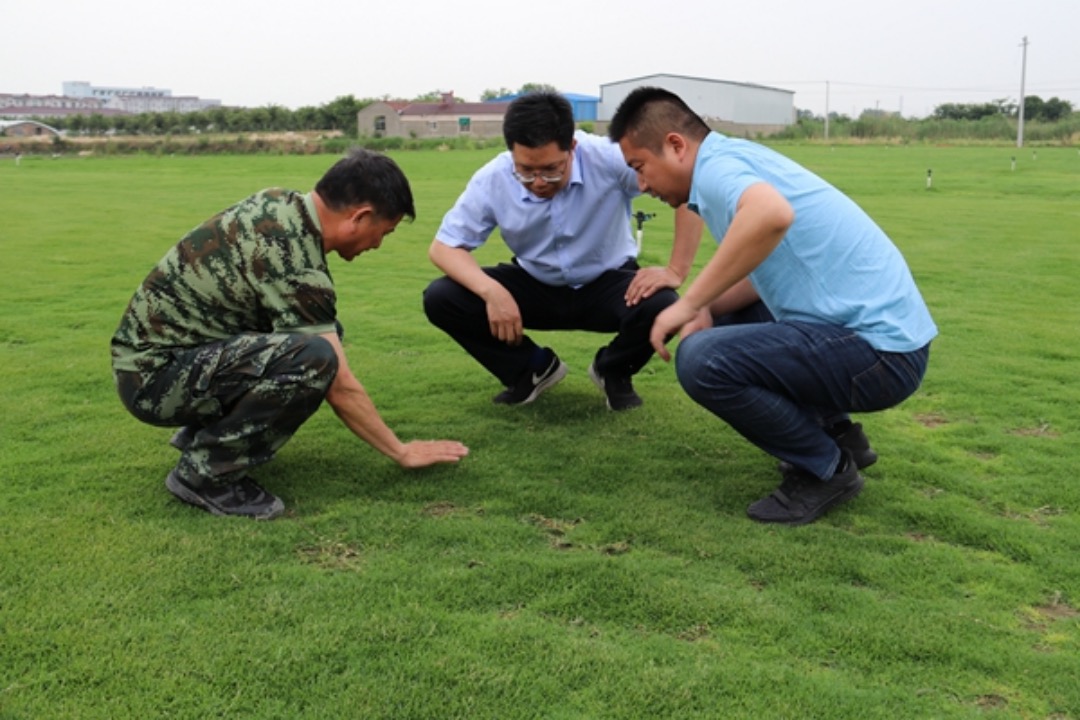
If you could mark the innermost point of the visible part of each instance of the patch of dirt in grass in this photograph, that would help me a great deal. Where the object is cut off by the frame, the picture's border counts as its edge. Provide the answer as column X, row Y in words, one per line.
column 695, row 633
column 557, row 530
column 1038, row 516
column 1041, row 430
column 445, row 508
column 616, row 548
column 1057, row 610
column 331, row 555
column 439, row 509
column 553, row 526
column 991, row 701
column 931, row 420
column 1040, row 617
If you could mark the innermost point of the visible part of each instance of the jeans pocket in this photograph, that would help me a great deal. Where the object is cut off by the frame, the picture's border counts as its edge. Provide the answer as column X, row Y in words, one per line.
column 889, row 381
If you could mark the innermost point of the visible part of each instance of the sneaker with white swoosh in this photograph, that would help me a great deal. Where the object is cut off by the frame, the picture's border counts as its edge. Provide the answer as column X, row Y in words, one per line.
column 533, row 382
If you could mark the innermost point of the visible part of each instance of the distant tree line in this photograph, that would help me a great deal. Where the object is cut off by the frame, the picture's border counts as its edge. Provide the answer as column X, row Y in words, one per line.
column 1035, row 108
column 1045, row 121
column 337, row 115
column 1050, row 120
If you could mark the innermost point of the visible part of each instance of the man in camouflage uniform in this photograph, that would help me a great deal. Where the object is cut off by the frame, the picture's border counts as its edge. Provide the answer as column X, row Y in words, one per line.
column 234, row 337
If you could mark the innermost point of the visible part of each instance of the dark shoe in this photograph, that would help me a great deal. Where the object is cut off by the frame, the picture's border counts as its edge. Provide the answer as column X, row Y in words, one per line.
column 244, row 498
column 531, row 383
column 802, row 498
column 618, row 389
column 182, row 438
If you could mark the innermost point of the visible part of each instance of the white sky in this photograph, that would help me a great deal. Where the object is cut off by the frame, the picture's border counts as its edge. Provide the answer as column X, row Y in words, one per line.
column 906, row 56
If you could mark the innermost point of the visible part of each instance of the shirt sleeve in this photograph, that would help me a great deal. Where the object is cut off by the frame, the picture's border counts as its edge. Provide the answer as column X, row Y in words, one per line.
column 471, row 220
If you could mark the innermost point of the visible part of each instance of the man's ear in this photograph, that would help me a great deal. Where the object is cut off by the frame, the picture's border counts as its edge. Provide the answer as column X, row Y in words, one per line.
column 358, row 213
column 677, row 143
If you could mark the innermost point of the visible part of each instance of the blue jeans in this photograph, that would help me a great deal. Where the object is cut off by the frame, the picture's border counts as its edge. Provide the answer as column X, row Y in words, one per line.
column 779, row 383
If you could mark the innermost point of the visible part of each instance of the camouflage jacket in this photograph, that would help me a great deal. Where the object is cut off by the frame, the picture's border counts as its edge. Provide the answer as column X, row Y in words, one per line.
column 256, row 267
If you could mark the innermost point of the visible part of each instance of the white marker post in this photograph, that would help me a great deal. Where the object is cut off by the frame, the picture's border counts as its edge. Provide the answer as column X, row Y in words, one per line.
column 641, row 217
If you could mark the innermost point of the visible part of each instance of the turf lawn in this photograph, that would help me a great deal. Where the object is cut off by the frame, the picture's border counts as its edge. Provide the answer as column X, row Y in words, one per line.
column 579, row 563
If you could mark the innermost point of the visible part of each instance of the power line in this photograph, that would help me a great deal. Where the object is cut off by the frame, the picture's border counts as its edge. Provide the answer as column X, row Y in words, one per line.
column 916, row 88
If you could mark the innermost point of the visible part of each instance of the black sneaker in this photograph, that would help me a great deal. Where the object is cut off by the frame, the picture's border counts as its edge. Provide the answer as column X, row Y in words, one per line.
column 244, row 498
column 533, row 382
column 851, row 439
column 618, row 389
column 802, row 498
column 182, row 438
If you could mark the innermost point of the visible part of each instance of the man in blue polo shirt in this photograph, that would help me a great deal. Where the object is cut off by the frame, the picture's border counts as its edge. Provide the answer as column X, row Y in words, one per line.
column 836, row 323
column 562, row 202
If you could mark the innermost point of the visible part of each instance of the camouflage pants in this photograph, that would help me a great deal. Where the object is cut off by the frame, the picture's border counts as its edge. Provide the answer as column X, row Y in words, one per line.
column 240, row 399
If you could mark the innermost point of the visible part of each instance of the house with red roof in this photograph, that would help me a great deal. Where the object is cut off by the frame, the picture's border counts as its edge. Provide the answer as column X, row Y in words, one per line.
column 444, row 119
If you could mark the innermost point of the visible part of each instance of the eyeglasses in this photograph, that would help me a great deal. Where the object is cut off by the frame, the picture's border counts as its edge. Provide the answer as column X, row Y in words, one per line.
column 543, row 175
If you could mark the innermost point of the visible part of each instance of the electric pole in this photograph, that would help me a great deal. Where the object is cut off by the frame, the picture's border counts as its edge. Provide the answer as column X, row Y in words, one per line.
column 826, row 111
column 1023, row 76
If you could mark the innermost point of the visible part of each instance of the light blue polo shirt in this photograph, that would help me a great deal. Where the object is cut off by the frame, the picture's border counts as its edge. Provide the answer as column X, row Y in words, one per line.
column 569, row 239
column 834, row 265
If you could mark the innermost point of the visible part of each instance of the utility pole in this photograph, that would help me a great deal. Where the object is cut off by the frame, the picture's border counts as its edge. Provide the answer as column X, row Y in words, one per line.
column 1023, row 77
column 826, row 111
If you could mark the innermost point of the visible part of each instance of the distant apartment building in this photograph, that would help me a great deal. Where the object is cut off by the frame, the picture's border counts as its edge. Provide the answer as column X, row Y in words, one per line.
column 138, row 100
column 82, row 98
column 22, row 105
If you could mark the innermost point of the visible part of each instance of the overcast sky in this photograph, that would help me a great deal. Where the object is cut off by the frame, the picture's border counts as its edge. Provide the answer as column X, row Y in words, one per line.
column 906, row 56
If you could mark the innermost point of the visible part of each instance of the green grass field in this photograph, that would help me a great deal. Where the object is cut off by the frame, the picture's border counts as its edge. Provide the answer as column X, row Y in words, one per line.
column 579, row 563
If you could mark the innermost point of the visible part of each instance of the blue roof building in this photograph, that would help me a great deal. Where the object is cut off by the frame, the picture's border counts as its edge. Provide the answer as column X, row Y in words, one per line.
column 585, row 106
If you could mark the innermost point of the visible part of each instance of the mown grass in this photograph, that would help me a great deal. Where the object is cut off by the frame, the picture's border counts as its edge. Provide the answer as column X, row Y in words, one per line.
column 578, row 563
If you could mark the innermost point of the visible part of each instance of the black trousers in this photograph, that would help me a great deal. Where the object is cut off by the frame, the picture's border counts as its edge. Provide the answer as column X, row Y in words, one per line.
column 599, row 306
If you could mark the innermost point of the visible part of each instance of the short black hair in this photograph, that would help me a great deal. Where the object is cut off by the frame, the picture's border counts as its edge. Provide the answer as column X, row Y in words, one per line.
column 647, row 114
column 363, row 176
column 539, row 118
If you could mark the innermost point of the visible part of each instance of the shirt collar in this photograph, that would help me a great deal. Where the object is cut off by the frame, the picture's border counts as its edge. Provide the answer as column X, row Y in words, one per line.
column 707, row 147
column 309, row 205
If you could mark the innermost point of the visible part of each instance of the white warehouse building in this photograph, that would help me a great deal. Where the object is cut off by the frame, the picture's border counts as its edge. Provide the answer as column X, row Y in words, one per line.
column 731, row 107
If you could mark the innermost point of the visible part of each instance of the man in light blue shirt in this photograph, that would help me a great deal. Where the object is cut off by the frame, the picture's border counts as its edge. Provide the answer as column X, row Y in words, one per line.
column 562, row 202
column 827, row 317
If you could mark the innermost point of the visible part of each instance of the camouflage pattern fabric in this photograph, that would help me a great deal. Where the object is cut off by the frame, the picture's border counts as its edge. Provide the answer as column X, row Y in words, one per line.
column 222, row 335
column 258, row 266
column 240, row 399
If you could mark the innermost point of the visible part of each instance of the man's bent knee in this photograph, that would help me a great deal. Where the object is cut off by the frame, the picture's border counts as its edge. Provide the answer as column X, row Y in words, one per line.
column 315, row 356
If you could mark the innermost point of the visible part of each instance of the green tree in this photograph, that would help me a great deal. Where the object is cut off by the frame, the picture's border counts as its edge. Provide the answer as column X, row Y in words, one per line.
column 340, row 114
column 537, row 87
column 966, row 111
column 280, row 118
column 1033, row 107
column 198, row 120
column 219, row 119
column 308, row 118
column 490, row 94
column 96, row 124
column 1056, row 109
column 258, row 119
column 173, row 123
column 76, row 124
